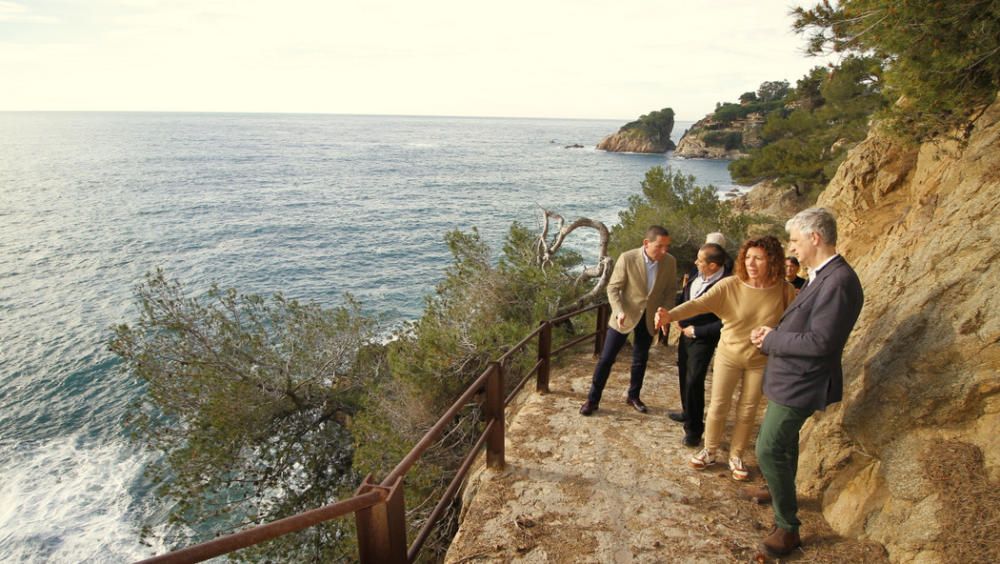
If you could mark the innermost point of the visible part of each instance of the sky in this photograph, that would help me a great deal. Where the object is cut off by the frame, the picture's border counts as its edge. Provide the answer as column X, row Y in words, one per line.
column 519, row 58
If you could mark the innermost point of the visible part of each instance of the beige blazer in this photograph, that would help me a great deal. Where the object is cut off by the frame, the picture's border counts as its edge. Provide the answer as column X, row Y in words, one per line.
column 627, row 290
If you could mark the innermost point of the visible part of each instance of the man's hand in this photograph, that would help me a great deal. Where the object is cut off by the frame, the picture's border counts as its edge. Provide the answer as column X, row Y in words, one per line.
column 661, row 318
column 621, row 320
column 757, row 335
column 688, row 331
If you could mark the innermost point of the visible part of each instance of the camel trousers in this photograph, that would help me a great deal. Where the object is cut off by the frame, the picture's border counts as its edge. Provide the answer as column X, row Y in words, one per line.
column 728, row 373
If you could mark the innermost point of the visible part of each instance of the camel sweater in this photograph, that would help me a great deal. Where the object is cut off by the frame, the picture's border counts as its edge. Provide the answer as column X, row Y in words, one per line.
column 742, row 309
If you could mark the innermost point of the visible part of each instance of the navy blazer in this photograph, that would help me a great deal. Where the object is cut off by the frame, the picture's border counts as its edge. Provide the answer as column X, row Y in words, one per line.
column 706, row 324
column 804, row 351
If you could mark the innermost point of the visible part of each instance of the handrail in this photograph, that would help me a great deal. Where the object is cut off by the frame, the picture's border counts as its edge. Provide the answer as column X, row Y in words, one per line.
column 519, row 345
column 432, row 434
column 449, row 494
column 259, row 534
column 581, row 311
column 378, row 506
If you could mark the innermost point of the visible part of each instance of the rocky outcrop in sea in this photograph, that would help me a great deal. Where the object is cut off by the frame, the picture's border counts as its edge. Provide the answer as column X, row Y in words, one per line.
column 633, row 141
column 648, row 134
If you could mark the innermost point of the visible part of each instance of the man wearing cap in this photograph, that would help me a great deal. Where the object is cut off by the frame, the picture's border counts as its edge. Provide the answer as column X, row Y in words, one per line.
column 643, row 279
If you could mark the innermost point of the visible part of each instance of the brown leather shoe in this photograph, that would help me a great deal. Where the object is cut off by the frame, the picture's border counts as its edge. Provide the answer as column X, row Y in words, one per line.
column 780, row 542
column 587, row 408
column 637, row 404
column 758, row 494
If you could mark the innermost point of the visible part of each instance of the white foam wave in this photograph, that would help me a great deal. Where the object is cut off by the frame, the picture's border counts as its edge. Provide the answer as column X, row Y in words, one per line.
column 62, row 501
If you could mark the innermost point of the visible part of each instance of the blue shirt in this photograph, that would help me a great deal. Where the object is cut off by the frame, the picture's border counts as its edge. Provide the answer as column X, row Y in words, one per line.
column 651, row 269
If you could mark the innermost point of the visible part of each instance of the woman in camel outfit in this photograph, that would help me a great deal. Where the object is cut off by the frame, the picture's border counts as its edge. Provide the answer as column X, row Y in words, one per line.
column 757, row 295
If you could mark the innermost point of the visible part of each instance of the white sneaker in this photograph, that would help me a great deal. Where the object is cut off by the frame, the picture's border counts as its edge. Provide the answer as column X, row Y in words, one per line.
column 702, row 460
column 740, row 472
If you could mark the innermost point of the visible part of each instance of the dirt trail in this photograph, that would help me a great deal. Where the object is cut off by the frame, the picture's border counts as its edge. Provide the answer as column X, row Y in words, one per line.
column 615, row 487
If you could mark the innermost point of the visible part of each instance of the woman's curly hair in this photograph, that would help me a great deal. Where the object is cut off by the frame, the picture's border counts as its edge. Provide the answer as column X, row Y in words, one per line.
column 775, row 259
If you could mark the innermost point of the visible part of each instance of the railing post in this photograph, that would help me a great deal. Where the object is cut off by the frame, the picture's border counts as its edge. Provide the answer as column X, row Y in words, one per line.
column 382, row 527
column 544, row 354
column 603, row 317
column 494, row 413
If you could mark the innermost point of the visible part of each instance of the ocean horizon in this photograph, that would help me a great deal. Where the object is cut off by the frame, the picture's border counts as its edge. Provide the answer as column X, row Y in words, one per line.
column 310, row 205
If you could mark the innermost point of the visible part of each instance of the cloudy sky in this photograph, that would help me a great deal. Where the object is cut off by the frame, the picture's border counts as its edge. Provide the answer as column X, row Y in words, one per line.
column 533, row 58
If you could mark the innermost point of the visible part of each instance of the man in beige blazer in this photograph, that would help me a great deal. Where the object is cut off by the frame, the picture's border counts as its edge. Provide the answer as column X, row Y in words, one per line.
column 643, row 279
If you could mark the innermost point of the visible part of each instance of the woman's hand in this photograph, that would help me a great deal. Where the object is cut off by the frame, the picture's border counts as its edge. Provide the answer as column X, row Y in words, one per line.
column 757, row 335
column 661, row 319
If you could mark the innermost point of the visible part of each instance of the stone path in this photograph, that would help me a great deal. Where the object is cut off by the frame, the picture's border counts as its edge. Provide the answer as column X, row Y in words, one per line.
column 615, row 487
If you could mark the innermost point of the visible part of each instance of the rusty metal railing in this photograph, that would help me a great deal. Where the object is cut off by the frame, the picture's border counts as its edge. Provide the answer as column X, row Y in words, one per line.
column 379, row 507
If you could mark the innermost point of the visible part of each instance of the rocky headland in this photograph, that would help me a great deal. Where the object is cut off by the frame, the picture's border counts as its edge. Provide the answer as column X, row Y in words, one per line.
column 648, row 134
column 711, row 139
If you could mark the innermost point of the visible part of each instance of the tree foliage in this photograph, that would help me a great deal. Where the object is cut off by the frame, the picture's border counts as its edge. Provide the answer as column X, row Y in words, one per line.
column 264, row 408
column 689, row 212
column 941, row 59
column 821, row 118
column 248, row 400
column 655, row 126
column 768, row 98
column 770, row 91
column 478, row 310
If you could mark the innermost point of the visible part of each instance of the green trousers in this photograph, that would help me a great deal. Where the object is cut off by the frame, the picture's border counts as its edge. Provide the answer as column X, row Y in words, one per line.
column 778, row 457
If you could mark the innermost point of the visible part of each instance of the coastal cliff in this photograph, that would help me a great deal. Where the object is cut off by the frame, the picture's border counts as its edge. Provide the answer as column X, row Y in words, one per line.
column 911, row 457
column 712, row 139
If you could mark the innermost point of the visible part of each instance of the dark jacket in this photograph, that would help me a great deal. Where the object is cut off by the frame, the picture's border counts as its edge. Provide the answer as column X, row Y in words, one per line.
column 706, row 325
column 804, row 351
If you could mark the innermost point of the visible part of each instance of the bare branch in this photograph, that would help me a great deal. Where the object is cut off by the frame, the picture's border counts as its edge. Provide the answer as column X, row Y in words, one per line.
column 601, row 271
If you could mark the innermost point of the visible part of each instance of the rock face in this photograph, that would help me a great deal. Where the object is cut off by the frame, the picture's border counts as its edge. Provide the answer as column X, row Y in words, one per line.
column 633, row 141
column 710, row 140
column 911, row 457
column 767, row 198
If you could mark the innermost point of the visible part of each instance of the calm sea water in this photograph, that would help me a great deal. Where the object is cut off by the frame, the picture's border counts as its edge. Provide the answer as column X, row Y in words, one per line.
column 309, row 205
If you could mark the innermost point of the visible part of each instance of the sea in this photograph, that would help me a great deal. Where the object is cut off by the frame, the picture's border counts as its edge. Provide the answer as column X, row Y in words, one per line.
column 313, row 206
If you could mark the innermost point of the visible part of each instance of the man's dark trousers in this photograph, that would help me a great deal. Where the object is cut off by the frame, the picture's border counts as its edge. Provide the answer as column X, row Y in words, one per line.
column 682, row 364
column 613, row 342
column 778, row 457
column 697, row 354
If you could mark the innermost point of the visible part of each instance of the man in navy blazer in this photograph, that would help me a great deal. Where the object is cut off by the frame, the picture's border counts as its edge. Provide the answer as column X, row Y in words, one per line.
column 804, row 372
column 698, row 341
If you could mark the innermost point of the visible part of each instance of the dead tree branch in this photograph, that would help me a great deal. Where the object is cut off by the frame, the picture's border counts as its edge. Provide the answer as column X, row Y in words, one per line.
column 601, row 271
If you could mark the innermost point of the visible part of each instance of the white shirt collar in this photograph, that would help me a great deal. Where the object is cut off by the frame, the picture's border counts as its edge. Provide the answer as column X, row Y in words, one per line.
column 718, row 274
column 814, row 271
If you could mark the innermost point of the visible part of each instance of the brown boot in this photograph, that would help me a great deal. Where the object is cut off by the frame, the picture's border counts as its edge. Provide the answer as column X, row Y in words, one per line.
column 780, row 542
column 757, row 494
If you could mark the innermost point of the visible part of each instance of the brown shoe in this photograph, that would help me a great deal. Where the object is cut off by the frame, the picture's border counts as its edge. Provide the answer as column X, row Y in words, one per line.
column 757, row 494
column 588, row 408
column 780, row 542
column 637, row 404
